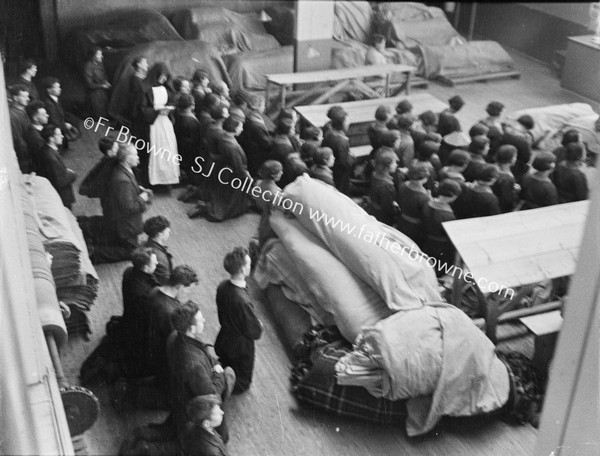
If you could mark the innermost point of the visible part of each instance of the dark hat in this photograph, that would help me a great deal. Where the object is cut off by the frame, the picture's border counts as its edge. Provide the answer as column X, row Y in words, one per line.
column 478, row 144
column 418, row 172
column 337, row 113
column 405, row 120
column 544, row 161
column 527, row 121
column 456, row 102
column 494, row 108
column 487, row 173
column 478, row 129
column 388, row 138
column 426, row 149
column 404, row 106
column 383, row 112
column 459, row 157
column 505, row 153
column 449, row 187
column 200, row 407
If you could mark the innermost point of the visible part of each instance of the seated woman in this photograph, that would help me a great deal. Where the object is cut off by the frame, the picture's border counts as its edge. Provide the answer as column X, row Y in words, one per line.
column 437, row 244
column 382, row 116
column 336, row 140
column 480, row 200
column 281, row 144
column 505, row 188
column 323, row 161
column 382, row 193
column 568, row 177
column 494, row 110
column 312, row 137
column 538, row 190
column 412, row 199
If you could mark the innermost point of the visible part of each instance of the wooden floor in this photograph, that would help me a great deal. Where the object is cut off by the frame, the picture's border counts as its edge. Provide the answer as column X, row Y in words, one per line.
column 267, row 420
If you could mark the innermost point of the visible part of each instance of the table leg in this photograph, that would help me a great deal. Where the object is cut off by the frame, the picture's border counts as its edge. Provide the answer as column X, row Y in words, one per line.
column 283, row 89
column 387, row 85
column 267, row 98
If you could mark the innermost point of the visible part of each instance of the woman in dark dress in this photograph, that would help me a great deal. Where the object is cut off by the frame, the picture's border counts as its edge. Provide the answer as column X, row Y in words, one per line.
column 97, row 83
column 437, row 211
column 270, row 173
column 187, row 133
column 538, row 190
column 412, row 199
column 256, row 138
column 336, row 140
column 229, row 163
column 505, row 188
column 569, row 179
column 240, row 327
column 382, row 193
column 281, row 144
column 480, row 200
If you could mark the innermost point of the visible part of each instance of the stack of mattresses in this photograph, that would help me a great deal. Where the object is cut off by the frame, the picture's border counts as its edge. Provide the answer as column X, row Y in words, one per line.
column 75, row 277
column 45, row 292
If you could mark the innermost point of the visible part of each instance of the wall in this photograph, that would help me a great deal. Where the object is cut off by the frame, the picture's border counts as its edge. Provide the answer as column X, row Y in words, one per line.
column 72, row 13
column 528, row 29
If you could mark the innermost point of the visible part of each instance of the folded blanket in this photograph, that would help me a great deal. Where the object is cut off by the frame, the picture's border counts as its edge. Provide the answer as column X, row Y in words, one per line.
column 387, row 260
column 433, row 356
column 338, row 291
column 276, row 267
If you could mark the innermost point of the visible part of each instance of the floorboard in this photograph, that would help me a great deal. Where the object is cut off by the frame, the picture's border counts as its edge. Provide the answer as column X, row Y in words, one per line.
column 266, row 420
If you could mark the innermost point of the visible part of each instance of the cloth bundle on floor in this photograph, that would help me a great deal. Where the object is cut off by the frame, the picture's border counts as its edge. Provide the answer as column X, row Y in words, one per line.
column 433, row 356
column 45, row 290
column 337, row 290
column 378, row 254
column 76, row 279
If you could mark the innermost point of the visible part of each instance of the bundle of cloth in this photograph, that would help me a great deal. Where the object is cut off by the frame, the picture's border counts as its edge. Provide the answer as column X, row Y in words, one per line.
column 408, row 344
column 416, row 35
column 45, row 290
column 551, row 121
column 76, row 279
column 228, row 31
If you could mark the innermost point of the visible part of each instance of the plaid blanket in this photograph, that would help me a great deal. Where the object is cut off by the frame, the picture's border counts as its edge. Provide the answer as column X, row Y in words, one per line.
column 319, row 389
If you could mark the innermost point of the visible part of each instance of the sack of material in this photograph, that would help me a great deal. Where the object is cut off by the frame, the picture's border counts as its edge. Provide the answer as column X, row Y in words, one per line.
column 387, row 260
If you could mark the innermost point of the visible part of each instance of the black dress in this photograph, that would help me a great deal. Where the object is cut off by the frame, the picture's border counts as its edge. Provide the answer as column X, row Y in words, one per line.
column 437, row 244
column 382, row 196
column 570, row 183
column 412, row 203
column 187, row 132
column 239, row 329
column 51, row 166
column 538, row 192
column 342, row 168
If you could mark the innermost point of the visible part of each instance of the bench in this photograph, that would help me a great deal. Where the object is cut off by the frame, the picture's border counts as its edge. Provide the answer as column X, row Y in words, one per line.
column 362, row 113
column 344, row 78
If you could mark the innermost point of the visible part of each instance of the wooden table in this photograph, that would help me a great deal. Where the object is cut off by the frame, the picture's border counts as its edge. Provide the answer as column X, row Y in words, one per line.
column 346, row 76
column 515, row 251
column 362, row 113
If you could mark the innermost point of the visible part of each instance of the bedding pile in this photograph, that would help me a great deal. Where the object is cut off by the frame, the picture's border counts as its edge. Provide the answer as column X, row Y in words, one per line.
column 407, row 344
column 76, row 280
column 45, row 289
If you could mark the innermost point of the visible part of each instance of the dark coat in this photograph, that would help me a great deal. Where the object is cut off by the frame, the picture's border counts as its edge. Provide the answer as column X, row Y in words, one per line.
column 158, row 329
column 504, row 189
column 123, row 207
column 342, row 168
column 164, row 268
column 56, row 114
column 94, row 75
column 322, row 173
column 570, row 182
column 136, row 287
column 19, row 124
column 35, row 143
column 187, row 132
column 191, row 371
column 95, row 184
column 51, row 166
column 538, row 192
column 256, row 142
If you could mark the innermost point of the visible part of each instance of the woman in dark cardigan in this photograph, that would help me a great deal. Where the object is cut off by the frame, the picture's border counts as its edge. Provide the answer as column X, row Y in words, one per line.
column 336, row 140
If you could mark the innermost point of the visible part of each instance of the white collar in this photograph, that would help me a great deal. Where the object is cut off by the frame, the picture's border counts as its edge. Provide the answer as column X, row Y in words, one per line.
column 38, row 127
column 52, row 146
column 55, row 98
column 238, row 283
